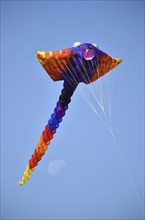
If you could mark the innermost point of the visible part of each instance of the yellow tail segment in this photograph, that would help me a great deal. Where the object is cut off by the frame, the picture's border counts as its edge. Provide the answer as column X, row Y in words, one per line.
column 26, row 176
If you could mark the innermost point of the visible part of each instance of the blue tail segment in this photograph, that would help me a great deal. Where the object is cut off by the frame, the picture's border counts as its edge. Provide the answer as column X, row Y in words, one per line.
column 61, row 106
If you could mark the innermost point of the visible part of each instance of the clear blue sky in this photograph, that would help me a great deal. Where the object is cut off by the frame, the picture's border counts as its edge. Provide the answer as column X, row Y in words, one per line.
column 93, row 183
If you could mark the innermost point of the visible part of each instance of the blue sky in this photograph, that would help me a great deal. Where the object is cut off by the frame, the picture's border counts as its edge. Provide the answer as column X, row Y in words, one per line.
column 92, row 181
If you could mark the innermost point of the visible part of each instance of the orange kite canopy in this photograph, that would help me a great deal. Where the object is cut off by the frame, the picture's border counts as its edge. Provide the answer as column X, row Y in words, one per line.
column 60, row 63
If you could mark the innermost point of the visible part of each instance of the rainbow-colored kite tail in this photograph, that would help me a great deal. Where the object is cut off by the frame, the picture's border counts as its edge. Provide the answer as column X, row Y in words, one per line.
column 49, row 131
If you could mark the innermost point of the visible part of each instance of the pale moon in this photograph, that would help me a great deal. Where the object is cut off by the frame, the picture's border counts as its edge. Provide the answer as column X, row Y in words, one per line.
column 55, row 167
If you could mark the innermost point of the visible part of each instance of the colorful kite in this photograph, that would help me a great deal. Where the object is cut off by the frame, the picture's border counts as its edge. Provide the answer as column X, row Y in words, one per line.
column 80, row 63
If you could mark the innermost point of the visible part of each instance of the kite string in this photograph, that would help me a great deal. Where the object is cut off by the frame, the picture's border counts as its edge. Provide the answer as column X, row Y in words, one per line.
column 114, row 139
column 90, row 85
column 87, row 98
column 69, row 81
column 120, row 153
column 108, row 124
column 98, row 87
column 124, row 163
column 80, row 88
column 127, row 171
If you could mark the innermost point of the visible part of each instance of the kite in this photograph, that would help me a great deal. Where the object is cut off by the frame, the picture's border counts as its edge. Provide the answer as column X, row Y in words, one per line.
column 81, row 63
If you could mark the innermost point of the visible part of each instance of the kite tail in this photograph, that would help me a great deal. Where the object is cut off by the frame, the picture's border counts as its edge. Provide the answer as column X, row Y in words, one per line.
column 50, row 130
